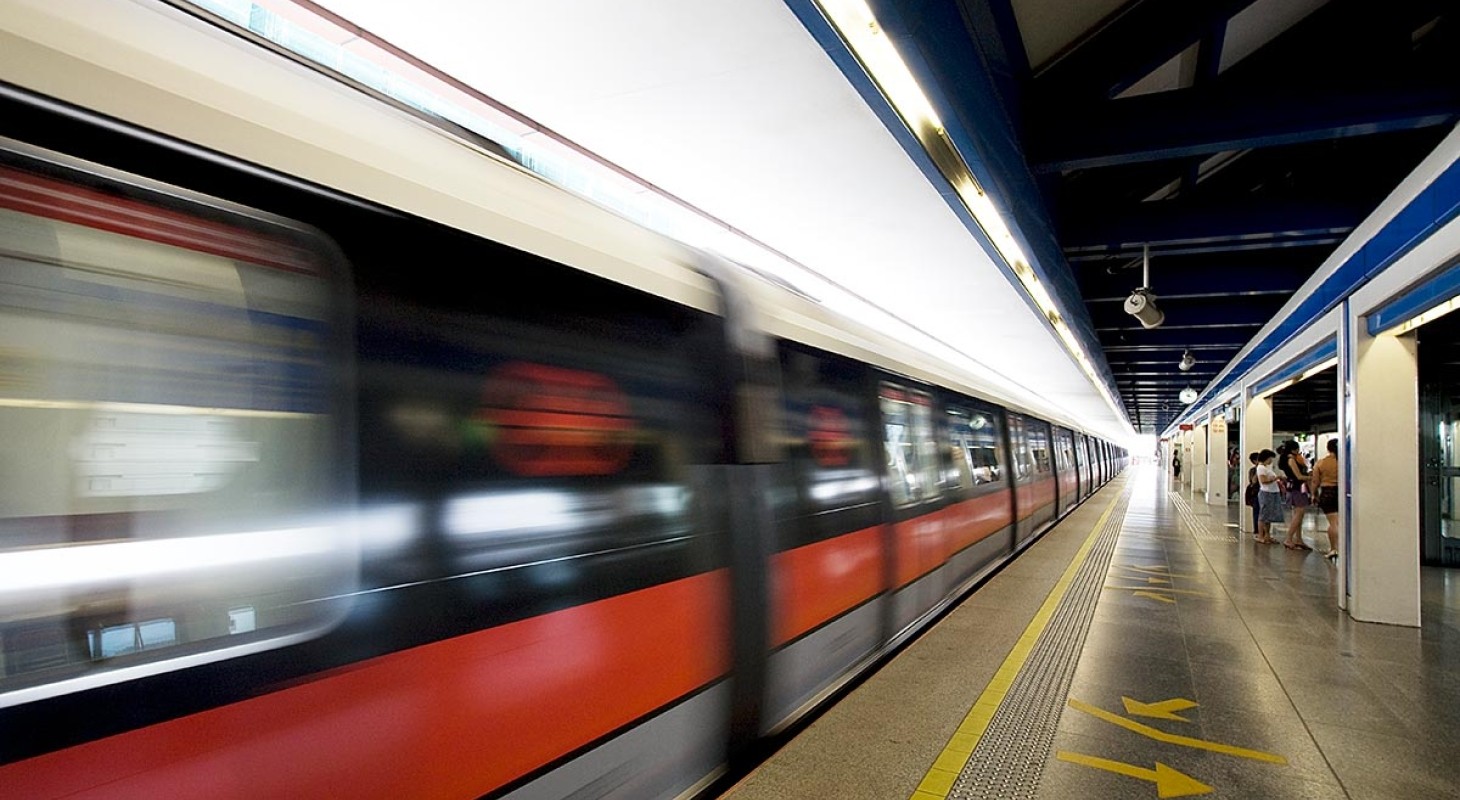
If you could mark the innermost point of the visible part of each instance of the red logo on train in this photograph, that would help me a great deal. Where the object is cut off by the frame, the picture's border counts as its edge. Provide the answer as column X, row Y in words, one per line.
column 551, row 422
column 829, row 437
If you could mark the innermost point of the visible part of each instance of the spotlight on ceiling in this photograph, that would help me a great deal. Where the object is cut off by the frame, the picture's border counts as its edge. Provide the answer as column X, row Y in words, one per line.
column 1187, row 362
column 1142, row 302
column 1142, row 305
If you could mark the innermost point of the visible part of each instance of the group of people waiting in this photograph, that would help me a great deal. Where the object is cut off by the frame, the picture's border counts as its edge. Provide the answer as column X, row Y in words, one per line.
column 1270, row 490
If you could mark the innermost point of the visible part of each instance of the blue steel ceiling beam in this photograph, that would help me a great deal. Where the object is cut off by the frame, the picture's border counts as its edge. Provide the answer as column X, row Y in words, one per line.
column 1208, row 62
column 1136, row 335
column 1128, row 46
column 1346, row 40
column 1269, row 271
column 1193, row 122
column 993, row 29
column 1206, row 249
column 1200, row 222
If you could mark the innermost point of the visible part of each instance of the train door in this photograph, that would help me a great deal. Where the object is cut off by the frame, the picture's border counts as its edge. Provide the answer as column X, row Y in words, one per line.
column 828, row 562
column 1064, row 462
column 920, row 533
column 1034, row 484
column 980, row 515
column 1082, row 459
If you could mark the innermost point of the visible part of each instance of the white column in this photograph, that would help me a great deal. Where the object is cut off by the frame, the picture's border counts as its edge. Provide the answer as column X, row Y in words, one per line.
column 1199, row 460
column 1384, row 448
column 1217, row 461
column 1256, row 437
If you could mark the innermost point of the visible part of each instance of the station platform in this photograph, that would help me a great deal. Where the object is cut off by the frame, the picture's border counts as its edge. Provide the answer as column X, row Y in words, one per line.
column 1145, row 648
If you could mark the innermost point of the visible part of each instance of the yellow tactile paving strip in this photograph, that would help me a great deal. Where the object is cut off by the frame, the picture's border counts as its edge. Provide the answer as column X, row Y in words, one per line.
column 938, row 781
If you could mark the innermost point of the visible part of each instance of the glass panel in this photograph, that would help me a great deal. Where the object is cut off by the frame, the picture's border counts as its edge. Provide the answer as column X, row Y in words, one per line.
column 168, row 382
column 911, row 448
column 975, row 445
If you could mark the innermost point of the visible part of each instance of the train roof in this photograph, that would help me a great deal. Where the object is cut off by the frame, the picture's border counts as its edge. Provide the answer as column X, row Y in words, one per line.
column 161, row 69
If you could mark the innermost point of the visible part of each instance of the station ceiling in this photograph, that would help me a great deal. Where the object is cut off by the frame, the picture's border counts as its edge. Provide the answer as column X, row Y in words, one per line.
column 1240, row 140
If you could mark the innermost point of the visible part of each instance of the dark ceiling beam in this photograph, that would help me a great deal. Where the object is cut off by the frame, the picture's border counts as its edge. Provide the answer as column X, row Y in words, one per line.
column 1224, row 296
column 1174, row 223
column 1327, row 241
column 1201, row 121
column 995, row 32
column 1208, row 62
column 1128, row 46
column 1176, row 338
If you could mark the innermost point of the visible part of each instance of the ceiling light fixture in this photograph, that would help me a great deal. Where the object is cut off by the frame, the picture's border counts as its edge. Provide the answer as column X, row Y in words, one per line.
column 1142, row 302
column 1188, row 395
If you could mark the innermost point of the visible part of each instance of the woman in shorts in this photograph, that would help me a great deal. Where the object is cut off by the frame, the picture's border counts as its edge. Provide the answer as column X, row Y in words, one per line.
column 1325, row 488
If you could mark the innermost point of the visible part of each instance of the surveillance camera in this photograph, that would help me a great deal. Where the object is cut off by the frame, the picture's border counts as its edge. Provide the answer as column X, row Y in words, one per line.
column 1187, row 362
column 1142, row 305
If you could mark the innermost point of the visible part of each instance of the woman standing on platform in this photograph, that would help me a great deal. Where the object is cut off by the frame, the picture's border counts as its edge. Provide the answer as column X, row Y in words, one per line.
column 1269, row 500
column 1295, row 468
column 1325, row 490
column 1250, row 494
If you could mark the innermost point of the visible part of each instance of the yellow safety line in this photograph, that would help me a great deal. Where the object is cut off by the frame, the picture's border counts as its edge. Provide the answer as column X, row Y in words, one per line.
column 938, row 782
column 1172, row 738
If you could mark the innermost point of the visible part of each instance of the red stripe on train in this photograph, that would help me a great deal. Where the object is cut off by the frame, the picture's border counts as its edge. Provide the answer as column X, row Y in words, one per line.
column 815, row 583
column 452, row 719
column 925, row 543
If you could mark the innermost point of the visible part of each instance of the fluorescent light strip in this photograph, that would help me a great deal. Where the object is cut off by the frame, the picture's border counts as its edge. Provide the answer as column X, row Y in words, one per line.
column 859, row 28
column 1427, row 317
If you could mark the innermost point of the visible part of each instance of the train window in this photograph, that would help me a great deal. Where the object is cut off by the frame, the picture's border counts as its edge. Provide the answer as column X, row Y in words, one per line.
column 168, row 396
column 912, row 450
column 827, row 430
column 1023, row 460
column 975, row 437
column 1037, row 434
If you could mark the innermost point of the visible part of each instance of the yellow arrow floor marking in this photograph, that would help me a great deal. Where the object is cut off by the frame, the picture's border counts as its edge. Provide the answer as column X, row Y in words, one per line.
column 1147, row 568
column 1148, row 572
column 1154, row 580
column 1162, row 589
column 1169, row 782
column 1165, row 709
column 1152, row 595
column 1171, row 738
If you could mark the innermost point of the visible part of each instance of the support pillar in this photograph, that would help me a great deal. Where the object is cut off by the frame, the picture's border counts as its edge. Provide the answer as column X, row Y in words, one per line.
column 1384, row 496
column 1256, row 437
column 1217, row 461
column 1199, row 461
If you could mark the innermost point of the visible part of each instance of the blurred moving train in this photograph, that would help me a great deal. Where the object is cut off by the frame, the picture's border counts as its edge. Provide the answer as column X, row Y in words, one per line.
column 343, row 458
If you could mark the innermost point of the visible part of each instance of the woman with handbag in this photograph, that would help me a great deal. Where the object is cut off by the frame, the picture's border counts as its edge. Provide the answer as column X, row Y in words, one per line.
column 1295, row 471
column 1325, row 488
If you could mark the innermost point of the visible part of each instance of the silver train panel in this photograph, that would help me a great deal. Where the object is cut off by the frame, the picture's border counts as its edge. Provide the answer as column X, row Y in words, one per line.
column 802, row 673
column 664, row 757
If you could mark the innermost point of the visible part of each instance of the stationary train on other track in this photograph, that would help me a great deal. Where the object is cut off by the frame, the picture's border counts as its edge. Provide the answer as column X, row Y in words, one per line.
column 347, row 458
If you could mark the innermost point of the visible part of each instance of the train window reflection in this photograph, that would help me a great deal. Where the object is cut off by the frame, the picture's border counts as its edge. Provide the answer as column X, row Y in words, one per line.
column 912, row 450
column 166, row 396
column 1037, row 434
column 974, row 437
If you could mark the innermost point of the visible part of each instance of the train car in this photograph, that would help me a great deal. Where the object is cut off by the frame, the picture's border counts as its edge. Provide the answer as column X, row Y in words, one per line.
column 347, row 457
